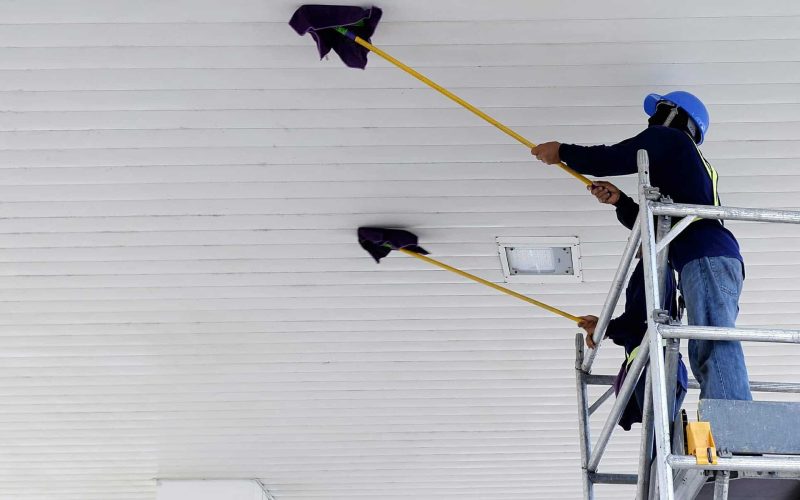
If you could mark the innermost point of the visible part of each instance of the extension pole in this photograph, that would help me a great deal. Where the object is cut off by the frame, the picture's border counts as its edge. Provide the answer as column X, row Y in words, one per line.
column 490, row 284
column 427, row 81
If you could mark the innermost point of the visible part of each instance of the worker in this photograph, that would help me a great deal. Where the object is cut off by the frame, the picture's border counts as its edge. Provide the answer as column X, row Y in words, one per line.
column 628, row 329
column 706, row 254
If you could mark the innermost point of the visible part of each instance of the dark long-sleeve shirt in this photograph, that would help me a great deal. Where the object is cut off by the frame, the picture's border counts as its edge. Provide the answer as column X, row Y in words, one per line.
column 627, row 210
column 677, row 169
column 628, row 328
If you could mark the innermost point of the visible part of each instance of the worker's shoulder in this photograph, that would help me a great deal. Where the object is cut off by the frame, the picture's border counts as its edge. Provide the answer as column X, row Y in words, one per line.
column 667, row 141
column 662, row 133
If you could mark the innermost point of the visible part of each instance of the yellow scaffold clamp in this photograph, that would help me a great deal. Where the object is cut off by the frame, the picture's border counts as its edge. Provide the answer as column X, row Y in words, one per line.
column 700, row 443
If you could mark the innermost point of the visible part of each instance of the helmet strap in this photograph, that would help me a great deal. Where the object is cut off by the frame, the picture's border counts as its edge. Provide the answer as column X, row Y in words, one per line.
column 691, row 128
column 669, row 115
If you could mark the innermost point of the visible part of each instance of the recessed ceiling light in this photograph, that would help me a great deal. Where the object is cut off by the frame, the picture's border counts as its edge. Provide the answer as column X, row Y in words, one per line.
column 540, row 259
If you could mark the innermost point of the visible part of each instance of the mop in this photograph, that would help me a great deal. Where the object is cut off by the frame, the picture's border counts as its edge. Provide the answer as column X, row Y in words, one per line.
column 379, row 242
column 347, row 31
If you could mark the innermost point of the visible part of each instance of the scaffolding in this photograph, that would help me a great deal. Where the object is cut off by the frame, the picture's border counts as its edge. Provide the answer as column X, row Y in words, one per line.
column 670, row 473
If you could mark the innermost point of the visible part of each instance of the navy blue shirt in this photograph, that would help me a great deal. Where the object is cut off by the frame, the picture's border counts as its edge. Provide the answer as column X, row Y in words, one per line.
column 678, row 171
column 628, row 329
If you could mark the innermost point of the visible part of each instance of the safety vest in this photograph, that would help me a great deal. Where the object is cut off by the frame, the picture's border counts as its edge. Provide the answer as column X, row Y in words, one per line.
column 632, row 355
column 712, row 174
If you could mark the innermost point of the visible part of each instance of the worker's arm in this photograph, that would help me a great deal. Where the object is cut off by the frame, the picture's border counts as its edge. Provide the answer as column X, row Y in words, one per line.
column 626, row 328
column 629, row 327
column 620, row 329
column 604, row 161
column 627, row 209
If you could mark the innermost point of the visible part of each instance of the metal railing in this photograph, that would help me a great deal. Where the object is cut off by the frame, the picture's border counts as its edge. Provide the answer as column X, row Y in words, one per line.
column 654, row 230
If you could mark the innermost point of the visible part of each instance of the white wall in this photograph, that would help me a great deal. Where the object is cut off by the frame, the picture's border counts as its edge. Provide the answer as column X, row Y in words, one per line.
column 209, row 490
column 181, row 289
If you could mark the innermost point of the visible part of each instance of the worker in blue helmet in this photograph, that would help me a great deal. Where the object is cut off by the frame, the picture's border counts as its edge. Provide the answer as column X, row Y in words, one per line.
column 706, row 254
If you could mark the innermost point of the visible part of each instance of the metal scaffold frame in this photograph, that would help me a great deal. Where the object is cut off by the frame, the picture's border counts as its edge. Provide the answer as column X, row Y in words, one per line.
column 674, row 474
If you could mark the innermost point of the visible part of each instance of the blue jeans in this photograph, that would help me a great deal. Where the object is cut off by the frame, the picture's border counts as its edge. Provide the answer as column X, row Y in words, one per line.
column 711, row 287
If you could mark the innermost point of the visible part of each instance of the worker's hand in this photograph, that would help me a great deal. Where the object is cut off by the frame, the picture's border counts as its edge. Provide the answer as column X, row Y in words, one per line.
column 547, row 152
column 605, row 192
column 589, row 323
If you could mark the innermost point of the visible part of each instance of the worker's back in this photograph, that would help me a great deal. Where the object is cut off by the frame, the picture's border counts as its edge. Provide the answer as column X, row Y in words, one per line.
column 677, row 169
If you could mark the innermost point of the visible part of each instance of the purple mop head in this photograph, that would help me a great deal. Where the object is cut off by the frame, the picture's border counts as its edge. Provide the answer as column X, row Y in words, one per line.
column 321, row 21
column 378, row 241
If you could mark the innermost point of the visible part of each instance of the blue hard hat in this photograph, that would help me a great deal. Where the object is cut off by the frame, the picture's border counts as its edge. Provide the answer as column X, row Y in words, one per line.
column 688, row 102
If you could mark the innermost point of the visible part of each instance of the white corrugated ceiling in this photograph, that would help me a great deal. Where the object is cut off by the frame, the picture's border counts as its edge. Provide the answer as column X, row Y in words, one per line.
column 181, row 289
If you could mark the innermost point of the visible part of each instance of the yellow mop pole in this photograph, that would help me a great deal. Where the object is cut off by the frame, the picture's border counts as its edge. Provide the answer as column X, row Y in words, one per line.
column 490, row 284
column 427, row 81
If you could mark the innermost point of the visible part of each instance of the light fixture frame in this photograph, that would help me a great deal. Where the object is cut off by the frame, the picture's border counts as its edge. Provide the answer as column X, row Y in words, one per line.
column 571, row 242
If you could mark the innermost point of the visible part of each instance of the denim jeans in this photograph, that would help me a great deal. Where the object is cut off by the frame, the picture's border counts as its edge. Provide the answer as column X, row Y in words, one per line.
column 711, row 287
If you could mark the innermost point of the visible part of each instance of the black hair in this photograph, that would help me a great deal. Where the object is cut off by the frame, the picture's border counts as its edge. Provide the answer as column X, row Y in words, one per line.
column 680, row 119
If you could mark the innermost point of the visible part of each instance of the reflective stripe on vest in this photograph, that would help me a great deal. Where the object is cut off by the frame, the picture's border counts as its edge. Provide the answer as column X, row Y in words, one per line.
column 630, row 357
column 712, row 174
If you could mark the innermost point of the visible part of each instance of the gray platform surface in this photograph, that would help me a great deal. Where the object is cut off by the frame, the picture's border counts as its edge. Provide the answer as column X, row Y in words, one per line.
column 756, row 489
column 753, row 427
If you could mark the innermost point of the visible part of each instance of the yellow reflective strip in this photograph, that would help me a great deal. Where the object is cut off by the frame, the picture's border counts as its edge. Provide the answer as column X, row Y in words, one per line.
column 714, row 178
column 635, row 351
column 712, row 174
column 632, row 355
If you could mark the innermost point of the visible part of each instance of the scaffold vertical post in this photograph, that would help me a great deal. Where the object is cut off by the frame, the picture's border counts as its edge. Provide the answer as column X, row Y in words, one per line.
column 583, row 419
column 659, row 391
